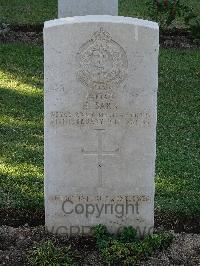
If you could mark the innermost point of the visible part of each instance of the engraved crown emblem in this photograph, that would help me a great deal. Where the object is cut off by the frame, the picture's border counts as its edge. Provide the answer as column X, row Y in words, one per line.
column 102, row 62
column 102, row 35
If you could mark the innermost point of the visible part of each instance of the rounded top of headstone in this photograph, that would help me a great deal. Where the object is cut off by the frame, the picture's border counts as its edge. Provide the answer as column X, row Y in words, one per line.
column 101, row 19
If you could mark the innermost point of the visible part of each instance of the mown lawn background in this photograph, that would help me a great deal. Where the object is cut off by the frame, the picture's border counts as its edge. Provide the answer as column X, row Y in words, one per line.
column 32, row 12
column 21, row 116
column 21, row 126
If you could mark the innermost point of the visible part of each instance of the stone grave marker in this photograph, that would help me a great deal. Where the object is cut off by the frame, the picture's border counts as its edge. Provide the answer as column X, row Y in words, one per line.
column 101, row 80
column 70, row 8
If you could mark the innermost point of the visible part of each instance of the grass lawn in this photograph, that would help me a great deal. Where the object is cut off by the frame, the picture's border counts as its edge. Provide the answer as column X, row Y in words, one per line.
column 21, row 130
column 21, row 126
column 178, row 142
column 27, row 11
column 37, row 11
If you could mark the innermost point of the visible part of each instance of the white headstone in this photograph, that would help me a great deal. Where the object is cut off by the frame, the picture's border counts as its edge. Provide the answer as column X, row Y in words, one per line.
column 101, row 79
column 70, row 8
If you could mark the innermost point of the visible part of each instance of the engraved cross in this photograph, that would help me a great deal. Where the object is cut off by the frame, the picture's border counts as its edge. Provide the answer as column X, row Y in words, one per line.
column 100, row 153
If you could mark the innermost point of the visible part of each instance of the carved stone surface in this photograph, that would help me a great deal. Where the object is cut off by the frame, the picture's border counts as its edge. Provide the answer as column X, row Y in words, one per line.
column 100, row 123
column 70, row 8
column 103, row 62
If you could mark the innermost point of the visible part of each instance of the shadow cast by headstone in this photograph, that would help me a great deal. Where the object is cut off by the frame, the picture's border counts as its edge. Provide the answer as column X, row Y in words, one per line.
column 21, row 192
column 18, row 150
column 21, row 106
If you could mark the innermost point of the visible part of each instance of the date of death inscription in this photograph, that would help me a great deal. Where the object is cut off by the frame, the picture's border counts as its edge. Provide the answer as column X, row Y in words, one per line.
column 99, row 119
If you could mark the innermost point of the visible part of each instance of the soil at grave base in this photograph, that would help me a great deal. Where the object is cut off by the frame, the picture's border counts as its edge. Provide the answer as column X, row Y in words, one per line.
column 15, row 244
column 21, row 217
column 178, row 38
column 20, row 230
column 175, row 38
column 21, row 37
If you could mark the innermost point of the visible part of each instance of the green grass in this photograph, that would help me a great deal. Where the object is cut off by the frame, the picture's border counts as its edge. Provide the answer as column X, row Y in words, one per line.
column 21, row 126
column 27, row 11
column 21, row 130
column 178, row 142
column 127, row 247
column 47, row 253
column 33, row 12
column 139, row 8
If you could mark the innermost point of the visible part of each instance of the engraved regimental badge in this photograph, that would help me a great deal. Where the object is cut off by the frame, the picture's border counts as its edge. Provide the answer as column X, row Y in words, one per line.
column 102, row 62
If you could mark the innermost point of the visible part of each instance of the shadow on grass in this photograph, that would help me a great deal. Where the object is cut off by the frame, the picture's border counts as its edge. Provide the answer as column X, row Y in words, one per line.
column 21, row 106
column 24, row 192
column 23, row 62
column 21, row 127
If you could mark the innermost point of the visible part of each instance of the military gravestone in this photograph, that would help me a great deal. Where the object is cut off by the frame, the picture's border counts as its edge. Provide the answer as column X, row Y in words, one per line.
column 69, row 8
column 101, row 79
